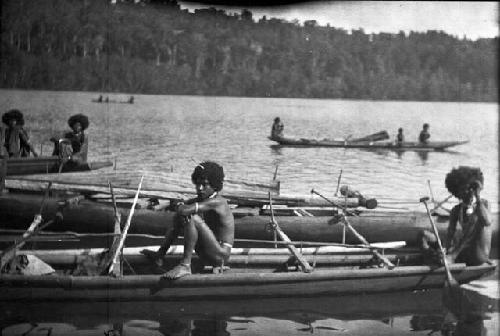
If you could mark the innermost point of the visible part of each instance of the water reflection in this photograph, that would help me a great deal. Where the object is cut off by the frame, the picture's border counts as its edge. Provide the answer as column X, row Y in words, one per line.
column 431, row 312
column 349, row 314
column 424, row 156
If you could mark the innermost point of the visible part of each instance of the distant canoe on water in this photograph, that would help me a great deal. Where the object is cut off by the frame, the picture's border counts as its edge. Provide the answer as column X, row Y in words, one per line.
column 112, row 101
column 405, row 146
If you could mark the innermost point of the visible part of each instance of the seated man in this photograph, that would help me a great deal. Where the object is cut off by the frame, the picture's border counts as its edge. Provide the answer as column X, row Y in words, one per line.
column 277, row 129
column 424, row 136
column 206, row 222
column 74, row 144
column 14, row 138
column 473, row 247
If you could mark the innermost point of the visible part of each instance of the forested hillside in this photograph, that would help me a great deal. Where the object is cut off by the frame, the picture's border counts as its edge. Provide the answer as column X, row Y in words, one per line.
column 156, row 48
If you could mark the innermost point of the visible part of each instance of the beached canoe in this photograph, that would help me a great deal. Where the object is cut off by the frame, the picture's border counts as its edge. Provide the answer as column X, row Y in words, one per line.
column 238, row 281
column 406, row 146
column 47, row 164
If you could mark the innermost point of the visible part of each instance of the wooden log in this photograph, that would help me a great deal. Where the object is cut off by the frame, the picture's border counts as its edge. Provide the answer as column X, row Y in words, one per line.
column 16, row 210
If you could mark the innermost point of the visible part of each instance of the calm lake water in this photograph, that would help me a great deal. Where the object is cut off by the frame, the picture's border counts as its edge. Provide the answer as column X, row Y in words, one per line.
column 165, row 133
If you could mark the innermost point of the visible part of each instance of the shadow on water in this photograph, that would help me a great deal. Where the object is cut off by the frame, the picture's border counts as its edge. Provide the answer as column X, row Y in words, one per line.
column 432, row 312
column 466, row 312
column 384, row 313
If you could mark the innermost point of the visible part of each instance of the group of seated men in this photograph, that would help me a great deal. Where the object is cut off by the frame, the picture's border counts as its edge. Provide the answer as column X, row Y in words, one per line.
column 15, row 141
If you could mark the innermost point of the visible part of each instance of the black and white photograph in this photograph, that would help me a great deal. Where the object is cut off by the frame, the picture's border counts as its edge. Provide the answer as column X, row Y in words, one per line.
column 249, row 168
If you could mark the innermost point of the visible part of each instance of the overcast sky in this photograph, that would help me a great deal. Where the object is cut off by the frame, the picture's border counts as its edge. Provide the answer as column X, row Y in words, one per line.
column 472, row 19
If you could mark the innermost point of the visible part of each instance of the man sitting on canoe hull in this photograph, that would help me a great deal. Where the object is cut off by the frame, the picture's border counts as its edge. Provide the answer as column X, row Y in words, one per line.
column 73, row 145
column 206, row 221
column 473, row 248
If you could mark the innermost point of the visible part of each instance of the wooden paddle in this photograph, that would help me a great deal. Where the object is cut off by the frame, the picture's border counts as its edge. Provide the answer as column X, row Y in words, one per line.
column 451, row 280
column 300, row 258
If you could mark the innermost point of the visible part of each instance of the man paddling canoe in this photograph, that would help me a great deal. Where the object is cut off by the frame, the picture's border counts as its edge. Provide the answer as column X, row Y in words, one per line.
column 206, row 221
column 473, row 247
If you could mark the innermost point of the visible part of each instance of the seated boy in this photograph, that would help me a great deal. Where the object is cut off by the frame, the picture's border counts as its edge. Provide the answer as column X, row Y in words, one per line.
column 206, row 222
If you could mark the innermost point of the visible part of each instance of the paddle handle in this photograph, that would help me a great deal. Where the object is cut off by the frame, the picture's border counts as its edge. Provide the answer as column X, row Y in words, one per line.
column 436, row 233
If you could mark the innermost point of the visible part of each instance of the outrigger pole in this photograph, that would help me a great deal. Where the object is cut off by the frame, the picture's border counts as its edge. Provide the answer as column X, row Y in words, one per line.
column 300, row 258
column 346, row 223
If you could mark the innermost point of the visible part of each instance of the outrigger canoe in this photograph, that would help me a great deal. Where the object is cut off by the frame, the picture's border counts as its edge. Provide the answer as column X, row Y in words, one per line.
column 245, row 277
column 46, row 164
column 405, row 146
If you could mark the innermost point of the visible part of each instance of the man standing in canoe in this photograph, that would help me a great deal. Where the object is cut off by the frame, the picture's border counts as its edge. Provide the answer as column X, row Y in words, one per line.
column 473, row 247
column 277, row 129
column 206, row 222
column 424, row 135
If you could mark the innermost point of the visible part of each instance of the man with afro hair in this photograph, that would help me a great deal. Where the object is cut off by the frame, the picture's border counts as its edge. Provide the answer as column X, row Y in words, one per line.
column 473, row 245
column 74, row 144
column 206, row 222
column 14, row 137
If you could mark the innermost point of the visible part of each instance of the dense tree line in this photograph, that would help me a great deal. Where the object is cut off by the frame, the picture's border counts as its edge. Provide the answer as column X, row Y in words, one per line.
column 157, row 48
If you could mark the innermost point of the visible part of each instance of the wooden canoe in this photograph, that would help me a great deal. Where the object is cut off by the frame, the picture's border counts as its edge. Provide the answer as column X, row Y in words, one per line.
column 236, row 282
column 406, row 146
column 111, row 101
column 47, row 164
column 16, row 212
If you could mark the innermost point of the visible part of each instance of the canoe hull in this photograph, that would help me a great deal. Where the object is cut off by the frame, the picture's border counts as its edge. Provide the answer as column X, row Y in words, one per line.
column 229, row 285
column 16, row 212
column 47, row 164
column 407, row 146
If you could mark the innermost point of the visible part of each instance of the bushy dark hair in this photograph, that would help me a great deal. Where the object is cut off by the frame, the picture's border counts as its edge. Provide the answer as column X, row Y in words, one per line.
column 80, row 118
column 460, row 178
column 13, row 114
column 213, row 172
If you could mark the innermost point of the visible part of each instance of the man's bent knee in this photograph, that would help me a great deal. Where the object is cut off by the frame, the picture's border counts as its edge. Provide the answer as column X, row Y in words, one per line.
column 196, row 219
